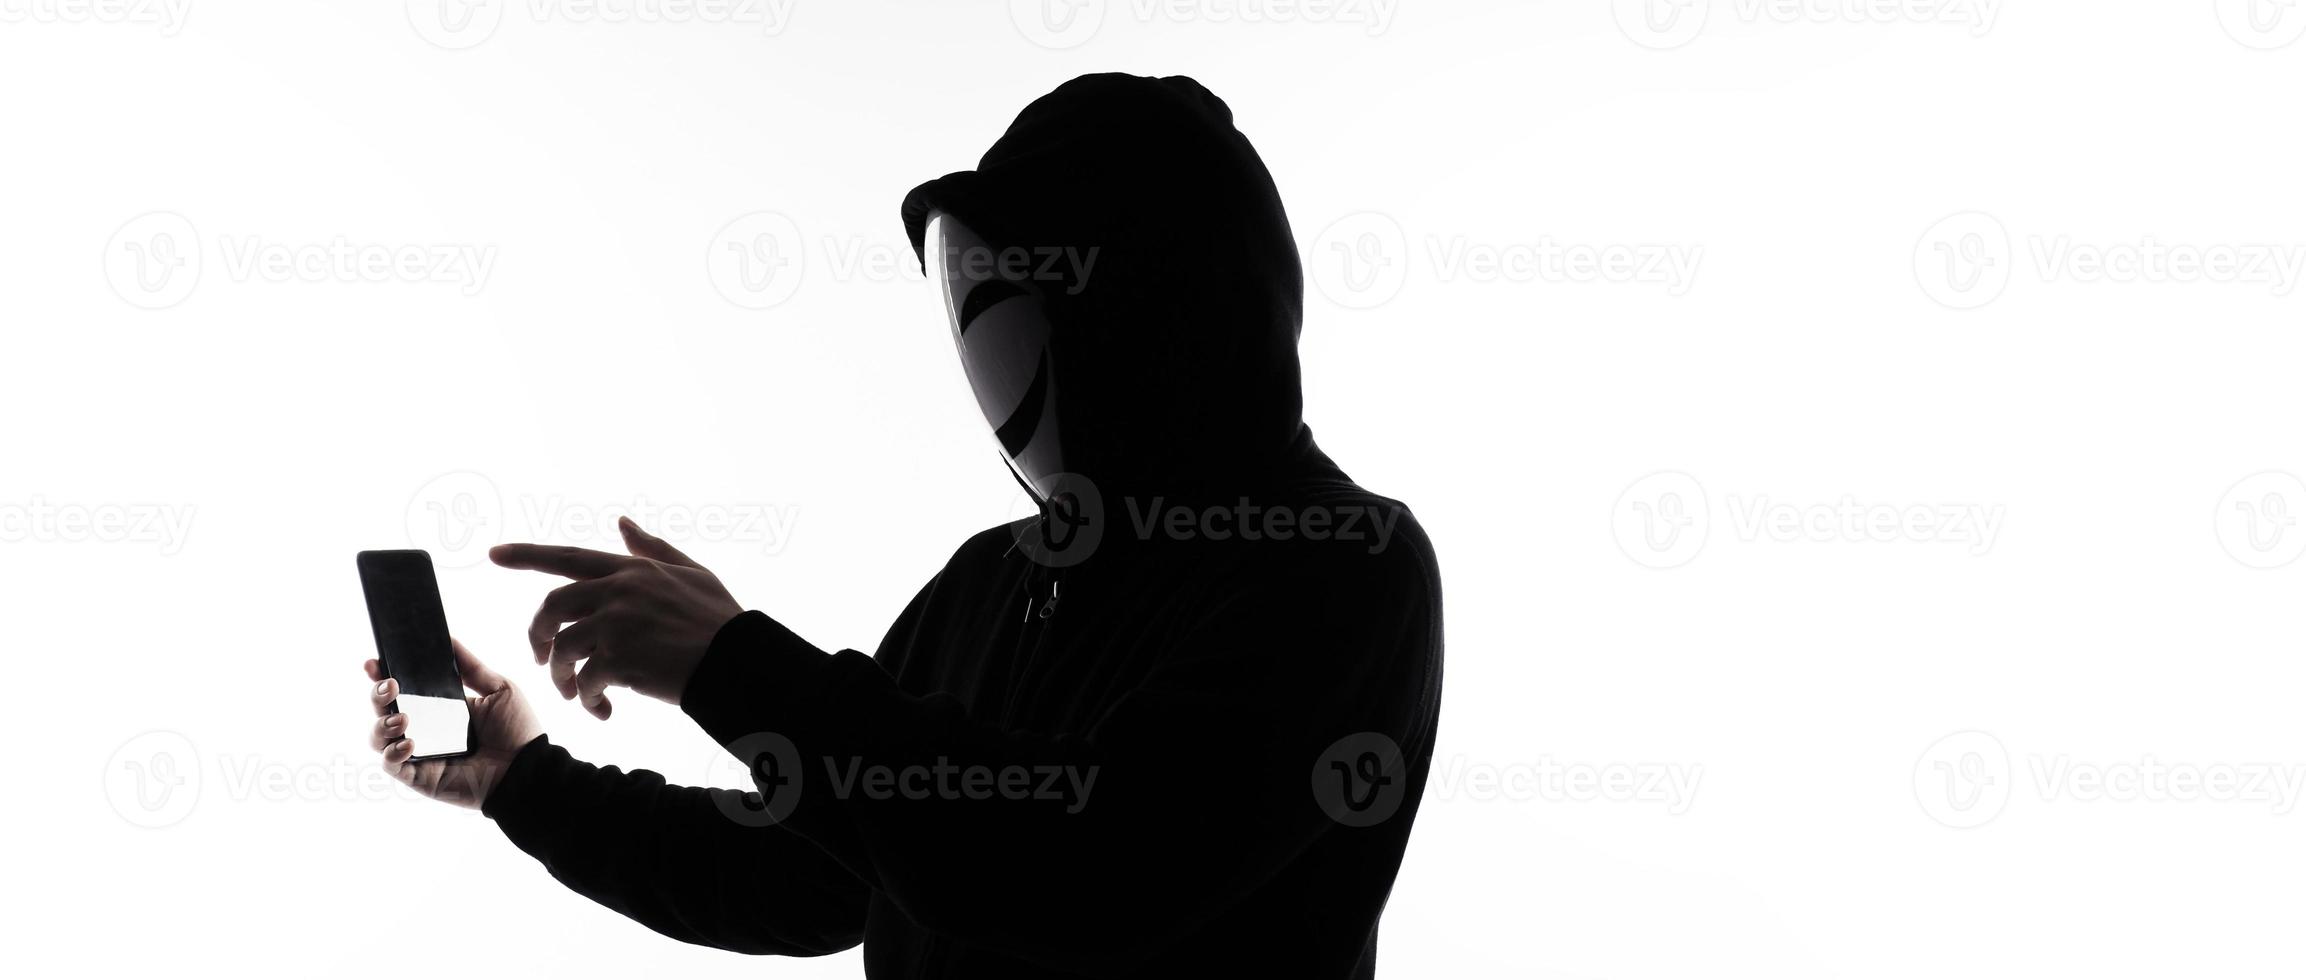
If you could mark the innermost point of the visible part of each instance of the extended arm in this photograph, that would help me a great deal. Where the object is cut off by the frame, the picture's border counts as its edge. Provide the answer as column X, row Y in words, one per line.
column 692, row 863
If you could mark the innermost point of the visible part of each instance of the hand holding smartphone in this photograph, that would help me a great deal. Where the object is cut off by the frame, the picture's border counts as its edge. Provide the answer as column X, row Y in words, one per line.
column 412, row 645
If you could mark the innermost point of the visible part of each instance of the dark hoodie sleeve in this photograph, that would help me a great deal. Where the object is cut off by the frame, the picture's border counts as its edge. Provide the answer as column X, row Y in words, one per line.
column 1193, row 789
column 677, row 859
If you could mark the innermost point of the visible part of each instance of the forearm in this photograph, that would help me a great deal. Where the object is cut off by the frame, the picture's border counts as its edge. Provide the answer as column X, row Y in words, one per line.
column 691, row 863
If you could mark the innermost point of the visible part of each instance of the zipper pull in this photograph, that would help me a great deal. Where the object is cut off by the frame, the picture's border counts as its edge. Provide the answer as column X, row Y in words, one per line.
column 1049, row 608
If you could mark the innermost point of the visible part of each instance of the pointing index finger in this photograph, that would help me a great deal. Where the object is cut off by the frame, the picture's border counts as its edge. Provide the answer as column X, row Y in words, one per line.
column 556, row 559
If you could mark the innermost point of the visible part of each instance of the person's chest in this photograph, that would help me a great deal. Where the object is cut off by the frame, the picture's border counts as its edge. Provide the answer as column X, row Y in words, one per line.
column 1030, row 650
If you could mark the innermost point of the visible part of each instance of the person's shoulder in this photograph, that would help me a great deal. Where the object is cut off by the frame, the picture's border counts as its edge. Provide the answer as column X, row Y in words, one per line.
column 1346, row 533
column 989, row 546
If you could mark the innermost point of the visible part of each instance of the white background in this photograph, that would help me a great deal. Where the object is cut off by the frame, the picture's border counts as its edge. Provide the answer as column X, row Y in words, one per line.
column 2131, row 620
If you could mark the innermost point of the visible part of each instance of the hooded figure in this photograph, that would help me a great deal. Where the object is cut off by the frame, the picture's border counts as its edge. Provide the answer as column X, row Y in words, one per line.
column 1177, row 724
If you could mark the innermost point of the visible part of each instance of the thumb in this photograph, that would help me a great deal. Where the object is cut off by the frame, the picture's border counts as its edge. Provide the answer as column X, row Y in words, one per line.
column 477, row 675
column 645, row 545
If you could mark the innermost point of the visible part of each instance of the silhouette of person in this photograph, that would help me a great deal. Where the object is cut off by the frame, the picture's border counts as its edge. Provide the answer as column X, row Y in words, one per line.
column 1175, row 724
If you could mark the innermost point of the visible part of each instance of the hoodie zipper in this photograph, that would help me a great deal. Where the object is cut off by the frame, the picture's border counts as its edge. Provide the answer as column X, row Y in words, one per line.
column 1043, row 586
column 1048, row 605
column 1038, row 605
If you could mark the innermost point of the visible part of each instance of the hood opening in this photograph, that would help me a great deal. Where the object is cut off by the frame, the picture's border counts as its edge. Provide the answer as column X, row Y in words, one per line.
column 1159, row 241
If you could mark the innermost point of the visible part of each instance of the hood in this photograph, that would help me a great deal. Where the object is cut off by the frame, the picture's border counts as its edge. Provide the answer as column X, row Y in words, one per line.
column 1173, row 281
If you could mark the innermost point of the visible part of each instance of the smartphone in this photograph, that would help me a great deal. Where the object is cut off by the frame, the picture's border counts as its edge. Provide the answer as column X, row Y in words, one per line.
column 412, row 644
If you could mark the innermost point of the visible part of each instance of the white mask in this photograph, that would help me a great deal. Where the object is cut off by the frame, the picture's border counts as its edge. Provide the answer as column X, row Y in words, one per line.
column 1002, row 328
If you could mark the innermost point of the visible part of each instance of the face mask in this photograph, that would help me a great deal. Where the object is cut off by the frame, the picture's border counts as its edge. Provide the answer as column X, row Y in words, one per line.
column 1002, row 329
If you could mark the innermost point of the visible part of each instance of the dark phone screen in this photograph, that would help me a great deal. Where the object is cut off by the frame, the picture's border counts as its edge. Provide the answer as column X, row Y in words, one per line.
column 411, row 629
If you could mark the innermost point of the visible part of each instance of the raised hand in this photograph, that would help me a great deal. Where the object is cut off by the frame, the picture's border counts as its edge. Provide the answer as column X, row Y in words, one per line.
column 641, row 621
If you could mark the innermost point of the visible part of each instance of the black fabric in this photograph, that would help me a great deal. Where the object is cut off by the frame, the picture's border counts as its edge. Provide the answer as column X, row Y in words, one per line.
column 1186, row 676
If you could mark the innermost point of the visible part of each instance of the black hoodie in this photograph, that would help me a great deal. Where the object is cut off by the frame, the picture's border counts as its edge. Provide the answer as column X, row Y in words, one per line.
column 1191, row 740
